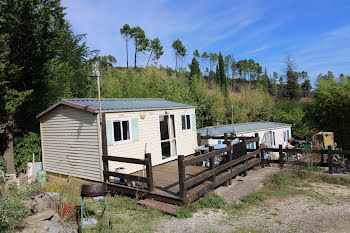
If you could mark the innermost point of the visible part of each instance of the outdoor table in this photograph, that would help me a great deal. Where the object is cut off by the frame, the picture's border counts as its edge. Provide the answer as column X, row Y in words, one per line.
column 205, row 149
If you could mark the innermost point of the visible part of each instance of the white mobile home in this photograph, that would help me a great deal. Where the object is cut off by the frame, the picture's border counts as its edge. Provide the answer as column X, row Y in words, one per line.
column 271, row 134
column 71, row 134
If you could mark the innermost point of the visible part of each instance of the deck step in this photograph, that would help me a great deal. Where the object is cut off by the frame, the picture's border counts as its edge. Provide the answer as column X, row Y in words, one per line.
column 162, row 206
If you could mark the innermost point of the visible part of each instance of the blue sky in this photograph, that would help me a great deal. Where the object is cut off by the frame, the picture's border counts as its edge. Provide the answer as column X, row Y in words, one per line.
column 315, row 33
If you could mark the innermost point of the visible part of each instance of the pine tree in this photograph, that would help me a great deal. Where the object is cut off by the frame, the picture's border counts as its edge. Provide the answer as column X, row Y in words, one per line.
column 292, row 89
column 222, row 77
column 195, row 70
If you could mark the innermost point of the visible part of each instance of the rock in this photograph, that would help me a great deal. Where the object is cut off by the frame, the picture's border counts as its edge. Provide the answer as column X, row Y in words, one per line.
column 48, row 226
column 38, row 204
column 41, row 216
column 22, row 178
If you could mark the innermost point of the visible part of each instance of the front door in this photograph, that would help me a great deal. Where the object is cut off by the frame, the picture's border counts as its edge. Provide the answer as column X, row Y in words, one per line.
column 167, row 136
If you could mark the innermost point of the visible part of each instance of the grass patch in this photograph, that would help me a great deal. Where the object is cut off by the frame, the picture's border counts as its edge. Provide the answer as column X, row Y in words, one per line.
column 184, row 212
column 211, row 200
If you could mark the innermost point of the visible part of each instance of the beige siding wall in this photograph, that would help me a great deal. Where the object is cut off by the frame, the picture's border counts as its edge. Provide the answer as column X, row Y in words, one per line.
column 70, row 143
column 149, row 139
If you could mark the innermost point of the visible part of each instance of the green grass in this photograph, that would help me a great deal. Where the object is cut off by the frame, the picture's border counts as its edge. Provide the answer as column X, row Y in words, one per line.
column 211, row 200
column 184, row 212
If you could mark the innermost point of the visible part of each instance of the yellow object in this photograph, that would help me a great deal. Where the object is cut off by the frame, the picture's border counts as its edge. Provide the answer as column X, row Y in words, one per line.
column 323, row 139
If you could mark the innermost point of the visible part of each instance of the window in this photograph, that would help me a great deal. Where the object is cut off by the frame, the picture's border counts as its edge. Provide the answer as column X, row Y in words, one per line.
column 285, row 136
column 186, row 121
column 274, row 138
column 121, row 129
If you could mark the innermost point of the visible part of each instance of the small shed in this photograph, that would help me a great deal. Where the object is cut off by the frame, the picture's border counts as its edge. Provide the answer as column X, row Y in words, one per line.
column 71, row 138
column 272, row 134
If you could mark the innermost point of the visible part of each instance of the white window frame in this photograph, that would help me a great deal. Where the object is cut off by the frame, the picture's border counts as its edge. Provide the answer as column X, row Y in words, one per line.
column 121, row 125
column 189, row 115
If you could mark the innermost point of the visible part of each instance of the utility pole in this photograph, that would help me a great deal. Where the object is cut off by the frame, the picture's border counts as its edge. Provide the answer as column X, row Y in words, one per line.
column 96, row 73
column 232, row 112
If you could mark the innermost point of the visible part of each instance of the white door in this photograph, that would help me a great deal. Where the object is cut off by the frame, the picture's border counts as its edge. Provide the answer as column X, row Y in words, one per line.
column 167, row 136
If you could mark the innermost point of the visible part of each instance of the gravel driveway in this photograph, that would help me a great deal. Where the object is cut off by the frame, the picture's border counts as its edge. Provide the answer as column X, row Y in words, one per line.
column 323, row 208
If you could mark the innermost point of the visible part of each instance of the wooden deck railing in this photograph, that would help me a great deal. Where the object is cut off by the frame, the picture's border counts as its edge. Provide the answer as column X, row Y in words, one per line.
column 147, row 162
column 236, row 163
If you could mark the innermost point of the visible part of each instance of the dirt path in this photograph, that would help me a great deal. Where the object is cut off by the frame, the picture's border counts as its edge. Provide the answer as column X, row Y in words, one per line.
column 324, row 208
column 242, row 186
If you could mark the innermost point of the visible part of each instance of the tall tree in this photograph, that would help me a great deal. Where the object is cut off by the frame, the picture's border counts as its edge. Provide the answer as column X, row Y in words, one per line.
column 126, row 33
column 213, row 60
column 222, row 76
column 140, row 41
column 228, row 62
column 156, row 50
column 330, row 108
column 233, row 67
column 196, row 53
column 292, row 77
column 40, row 60
column 205, row 56
column 195, row 70
column 183, row 53
column 179, row 50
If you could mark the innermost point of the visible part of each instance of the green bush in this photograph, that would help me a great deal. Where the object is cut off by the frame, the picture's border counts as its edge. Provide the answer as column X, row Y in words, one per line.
column 24, row 147
column 12, row 211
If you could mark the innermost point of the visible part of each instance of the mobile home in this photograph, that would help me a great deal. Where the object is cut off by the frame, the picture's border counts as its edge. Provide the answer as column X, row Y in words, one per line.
column 271, row 134
column 71, row 134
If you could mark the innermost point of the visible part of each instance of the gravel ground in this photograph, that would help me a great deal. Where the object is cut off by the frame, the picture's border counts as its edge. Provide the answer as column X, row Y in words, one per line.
column 325, row 208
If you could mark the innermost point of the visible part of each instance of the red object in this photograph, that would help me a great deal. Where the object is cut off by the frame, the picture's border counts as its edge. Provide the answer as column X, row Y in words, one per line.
column 69, row 210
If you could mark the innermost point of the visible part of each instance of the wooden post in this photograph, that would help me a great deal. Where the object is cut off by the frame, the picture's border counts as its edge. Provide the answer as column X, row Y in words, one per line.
column 330, row 160
column 181, row 167
column 246, row 162
column 281, row 161
column 257, row 143
column 262, row 155
column 104, row 147
column 212, row 164
column 199, row 142
column 148, row 159
column 33, row 168
column 322, row 158
column 228, row 159
column 225, row 138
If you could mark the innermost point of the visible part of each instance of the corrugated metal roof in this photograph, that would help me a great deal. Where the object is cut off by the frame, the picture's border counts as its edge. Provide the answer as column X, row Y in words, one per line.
column 240, row 128
column 129, row 104
column 118, row 105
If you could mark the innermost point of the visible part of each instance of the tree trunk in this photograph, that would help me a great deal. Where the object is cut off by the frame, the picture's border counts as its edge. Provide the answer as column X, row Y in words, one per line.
column 149, row 58
column 135, row 58
column 8, row 154
column 176, row 62
column 127, row 55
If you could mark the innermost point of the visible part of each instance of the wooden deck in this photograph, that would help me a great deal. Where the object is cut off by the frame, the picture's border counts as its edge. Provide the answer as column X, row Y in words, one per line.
column 166, row 177
column 182, row 181
column 166, row 182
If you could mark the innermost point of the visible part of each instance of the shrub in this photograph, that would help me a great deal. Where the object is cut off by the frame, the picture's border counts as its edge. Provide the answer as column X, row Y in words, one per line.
column 24, row 147
column 12, row 211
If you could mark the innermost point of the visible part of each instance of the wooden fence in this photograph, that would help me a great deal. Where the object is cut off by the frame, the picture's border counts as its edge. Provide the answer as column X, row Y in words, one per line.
column 329, row 162
column 237, row 161
column 147, row 162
